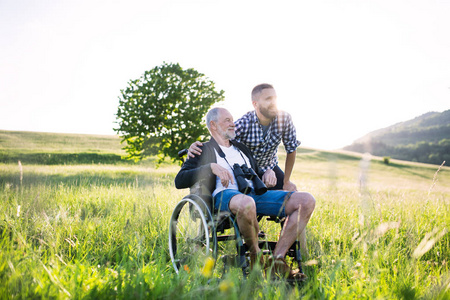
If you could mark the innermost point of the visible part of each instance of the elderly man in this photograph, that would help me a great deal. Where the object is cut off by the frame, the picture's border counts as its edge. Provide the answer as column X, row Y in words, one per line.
column 215, row 166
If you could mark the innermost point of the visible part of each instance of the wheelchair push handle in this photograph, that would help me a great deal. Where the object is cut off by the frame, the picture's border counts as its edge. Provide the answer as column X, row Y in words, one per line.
column 182, row 153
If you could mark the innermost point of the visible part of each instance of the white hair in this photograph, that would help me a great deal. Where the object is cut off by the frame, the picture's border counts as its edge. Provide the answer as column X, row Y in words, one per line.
column 212, row 115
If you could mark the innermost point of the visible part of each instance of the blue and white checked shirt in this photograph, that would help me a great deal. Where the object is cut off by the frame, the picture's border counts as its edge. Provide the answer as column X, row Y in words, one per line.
column 264, row 148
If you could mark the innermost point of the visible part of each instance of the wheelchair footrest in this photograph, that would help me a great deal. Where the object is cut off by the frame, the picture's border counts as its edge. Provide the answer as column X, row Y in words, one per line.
column 221, row 238
column 270, row 247
column 267, row 245
column 232, row 261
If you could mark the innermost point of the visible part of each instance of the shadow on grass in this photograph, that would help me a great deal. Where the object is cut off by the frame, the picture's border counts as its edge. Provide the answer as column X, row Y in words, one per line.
column 62, row 158
column 86, row 179
column 410, row 169
column 327, row 156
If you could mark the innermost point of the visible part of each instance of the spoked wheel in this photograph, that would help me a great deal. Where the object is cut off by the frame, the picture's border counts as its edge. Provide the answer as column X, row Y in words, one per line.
column 191, row 238
column 230, row 246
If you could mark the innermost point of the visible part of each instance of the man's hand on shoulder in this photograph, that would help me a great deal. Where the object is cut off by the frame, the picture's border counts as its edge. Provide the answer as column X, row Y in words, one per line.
column 224, row 175
column 194, row 149
column 289, row 186
column 269, row 178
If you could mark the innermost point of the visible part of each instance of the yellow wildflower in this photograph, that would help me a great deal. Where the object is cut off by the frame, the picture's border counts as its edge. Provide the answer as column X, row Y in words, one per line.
column 225, row 286
column 208, row 268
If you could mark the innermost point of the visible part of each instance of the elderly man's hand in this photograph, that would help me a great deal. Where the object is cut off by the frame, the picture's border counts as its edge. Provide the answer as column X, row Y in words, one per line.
column 224, row 175
column 269, row 178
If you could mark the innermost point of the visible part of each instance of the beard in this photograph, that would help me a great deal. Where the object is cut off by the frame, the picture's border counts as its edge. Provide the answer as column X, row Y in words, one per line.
column 270, row 112
column 227, row 134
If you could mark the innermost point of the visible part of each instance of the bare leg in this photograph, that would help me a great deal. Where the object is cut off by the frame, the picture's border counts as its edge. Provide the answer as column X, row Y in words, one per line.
column 244, row 208
column 299, row 208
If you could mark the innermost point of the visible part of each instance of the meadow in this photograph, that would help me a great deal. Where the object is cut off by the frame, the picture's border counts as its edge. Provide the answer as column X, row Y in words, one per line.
column 99, row 230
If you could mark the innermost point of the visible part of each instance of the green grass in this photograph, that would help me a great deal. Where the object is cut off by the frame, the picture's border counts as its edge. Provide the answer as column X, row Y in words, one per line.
column 59, row 142
column 100, row 231
column 59, row 148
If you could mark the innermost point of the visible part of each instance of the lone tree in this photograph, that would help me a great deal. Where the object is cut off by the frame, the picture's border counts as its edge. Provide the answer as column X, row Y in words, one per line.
column 161, row 112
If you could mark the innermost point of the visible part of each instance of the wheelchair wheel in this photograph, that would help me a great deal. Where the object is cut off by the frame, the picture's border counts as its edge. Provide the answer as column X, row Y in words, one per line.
column 189, row 235
column 230, row 246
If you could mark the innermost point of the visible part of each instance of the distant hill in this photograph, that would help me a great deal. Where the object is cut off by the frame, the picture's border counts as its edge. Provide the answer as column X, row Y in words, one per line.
column 423, row 139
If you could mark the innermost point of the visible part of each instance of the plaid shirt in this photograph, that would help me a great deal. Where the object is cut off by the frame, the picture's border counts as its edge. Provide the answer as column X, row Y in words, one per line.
column 249, row 132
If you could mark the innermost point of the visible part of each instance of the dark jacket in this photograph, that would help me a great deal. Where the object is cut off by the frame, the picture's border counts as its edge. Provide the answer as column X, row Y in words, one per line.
column 199, row 167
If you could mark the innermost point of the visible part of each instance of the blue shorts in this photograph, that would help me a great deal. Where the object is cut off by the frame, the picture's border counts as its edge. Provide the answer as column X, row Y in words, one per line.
column 271, row 203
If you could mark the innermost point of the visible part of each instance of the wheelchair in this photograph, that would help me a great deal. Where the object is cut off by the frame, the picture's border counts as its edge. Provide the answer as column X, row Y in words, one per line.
column 198, row 232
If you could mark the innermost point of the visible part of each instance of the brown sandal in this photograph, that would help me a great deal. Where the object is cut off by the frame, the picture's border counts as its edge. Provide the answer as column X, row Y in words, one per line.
column 256, row 259
column 279, row 268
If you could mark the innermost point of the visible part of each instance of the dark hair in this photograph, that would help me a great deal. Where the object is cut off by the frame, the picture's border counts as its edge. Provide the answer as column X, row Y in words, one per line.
column 257, row 90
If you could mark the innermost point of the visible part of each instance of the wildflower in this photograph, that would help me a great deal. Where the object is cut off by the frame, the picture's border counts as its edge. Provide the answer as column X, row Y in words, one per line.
column 208, row 268
column 225, row 286
column 186, row 268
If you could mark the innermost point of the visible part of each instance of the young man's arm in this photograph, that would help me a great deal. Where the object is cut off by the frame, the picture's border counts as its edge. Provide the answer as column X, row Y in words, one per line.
column 288, row 185
column 290, row 143
column 194, row 149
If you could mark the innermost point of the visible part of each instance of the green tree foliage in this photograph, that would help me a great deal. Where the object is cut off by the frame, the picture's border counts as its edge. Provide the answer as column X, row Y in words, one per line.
column 161, row 112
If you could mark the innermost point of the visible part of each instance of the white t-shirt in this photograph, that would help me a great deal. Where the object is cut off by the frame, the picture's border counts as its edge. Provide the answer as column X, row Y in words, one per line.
column 233, row 155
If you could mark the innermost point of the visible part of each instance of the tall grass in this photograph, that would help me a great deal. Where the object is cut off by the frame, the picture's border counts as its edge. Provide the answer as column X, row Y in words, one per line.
column 101, row 232
column 84, row 230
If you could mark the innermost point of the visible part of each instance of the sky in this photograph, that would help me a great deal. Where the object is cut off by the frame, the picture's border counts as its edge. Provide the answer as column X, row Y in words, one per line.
column 341, row 68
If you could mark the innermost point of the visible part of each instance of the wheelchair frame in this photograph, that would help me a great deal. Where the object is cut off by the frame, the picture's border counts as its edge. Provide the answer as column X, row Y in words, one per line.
column 193, row 235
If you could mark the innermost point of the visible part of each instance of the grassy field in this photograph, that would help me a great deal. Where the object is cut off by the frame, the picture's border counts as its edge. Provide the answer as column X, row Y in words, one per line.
column 100, row 230
column 59, row 148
